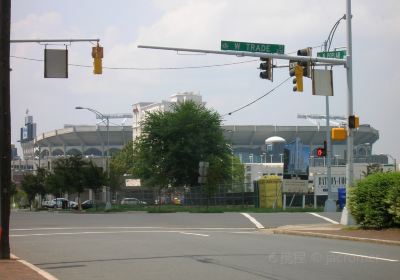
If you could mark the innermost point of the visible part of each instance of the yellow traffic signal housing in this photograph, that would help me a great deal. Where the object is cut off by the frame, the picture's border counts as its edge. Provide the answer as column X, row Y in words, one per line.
column 98, row 66
column 298, row 72
column 97, row 54
column 354, row 121
column 338, row 134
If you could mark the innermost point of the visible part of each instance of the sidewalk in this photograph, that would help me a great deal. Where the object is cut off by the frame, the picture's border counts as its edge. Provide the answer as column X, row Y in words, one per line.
column 16, row 269
column 385, row 236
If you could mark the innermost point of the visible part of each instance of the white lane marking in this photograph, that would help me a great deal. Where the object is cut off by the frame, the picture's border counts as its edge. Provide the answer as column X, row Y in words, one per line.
column 171, row 228
column 94, row 232
column 254, row 221
column 325, row 218
column 197, row 234
column 72, row 228
column 363, row 256
column 43, row 273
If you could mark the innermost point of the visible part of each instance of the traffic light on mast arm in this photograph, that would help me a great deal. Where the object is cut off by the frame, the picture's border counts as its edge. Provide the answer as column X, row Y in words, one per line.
column 266, row 66
column 97, row 54
column 305, row 64
column 321, row 152
column 296, row 71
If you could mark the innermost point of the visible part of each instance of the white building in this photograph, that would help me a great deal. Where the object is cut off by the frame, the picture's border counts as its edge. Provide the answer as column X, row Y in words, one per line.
column 140, row 110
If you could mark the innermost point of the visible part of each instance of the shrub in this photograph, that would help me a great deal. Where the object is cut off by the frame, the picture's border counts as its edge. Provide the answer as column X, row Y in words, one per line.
column 393, row 200
column 374, row 201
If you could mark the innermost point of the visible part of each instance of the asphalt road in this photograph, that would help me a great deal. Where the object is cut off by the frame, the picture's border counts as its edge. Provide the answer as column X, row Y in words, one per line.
column 191, row 246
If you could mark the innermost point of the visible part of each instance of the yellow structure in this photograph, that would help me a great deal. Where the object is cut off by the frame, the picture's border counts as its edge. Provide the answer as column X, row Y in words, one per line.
column 338, row 134
column 270, row 192
column 97, row 54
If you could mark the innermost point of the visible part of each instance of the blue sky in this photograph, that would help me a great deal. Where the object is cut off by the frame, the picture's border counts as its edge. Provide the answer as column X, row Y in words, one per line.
column 122, row 25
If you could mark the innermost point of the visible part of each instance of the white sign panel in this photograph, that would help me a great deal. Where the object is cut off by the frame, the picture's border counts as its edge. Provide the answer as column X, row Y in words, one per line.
column 295, row 186
column 132, row 182
column 322, row 82
column 321, row 186
column 55, row 63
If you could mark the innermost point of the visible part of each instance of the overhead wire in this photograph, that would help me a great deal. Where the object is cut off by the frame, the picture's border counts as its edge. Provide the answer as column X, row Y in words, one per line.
column 254, row 101
column 147, row 68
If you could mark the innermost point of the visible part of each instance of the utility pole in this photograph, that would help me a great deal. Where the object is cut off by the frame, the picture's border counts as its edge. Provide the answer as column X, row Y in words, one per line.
column 5, row 128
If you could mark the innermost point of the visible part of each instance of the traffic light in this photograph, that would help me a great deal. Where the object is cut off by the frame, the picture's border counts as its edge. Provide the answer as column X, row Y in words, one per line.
column 297, row 71
column 266, row 66
column 354, row 121
column 321, row 152
column 97, row 54
column 305, row 64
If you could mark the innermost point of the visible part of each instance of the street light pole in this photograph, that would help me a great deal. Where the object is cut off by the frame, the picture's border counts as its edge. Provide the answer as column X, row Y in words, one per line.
column 106, row 118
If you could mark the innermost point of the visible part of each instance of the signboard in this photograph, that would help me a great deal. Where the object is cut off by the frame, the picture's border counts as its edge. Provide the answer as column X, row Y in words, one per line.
column 333, row 54
column 132, row 182
column 55, row 63
column 322, row 82
column 321, row 187
column 252, row 47
column 295, row 186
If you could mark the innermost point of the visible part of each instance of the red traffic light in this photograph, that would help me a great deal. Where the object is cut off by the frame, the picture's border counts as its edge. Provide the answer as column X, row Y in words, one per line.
column 320, row 152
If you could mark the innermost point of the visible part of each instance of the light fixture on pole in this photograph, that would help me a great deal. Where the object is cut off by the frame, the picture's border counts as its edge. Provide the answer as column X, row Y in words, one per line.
column 104, row 118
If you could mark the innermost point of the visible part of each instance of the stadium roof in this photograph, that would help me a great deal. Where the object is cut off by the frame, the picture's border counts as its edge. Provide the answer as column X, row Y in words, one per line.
column 238, row 135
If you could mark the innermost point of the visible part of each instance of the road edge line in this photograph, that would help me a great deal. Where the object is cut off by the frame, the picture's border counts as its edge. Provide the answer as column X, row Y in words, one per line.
column 334, row 236
column 41, row 272
column 324, row 218
column 253, row 220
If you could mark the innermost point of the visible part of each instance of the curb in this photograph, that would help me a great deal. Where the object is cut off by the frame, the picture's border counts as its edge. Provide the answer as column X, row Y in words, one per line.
column 41, row 272
column 334, row 236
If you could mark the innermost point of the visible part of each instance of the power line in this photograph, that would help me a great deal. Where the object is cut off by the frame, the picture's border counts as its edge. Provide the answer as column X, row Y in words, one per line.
column 254, row 101
column 146, row 68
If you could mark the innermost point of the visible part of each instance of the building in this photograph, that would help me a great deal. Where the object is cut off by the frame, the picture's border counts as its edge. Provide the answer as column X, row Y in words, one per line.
column 267, row 145
column 140, row 110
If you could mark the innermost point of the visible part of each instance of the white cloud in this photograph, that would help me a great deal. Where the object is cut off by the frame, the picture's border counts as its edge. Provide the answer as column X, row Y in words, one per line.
column 202, row 24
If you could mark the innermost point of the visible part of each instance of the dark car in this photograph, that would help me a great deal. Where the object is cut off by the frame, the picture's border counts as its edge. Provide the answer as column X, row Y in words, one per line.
column 86, row 204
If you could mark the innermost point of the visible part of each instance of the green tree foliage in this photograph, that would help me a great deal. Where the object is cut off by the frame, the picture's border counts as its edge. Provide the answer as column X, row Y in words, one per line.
column 374, row 201
column 173, row 143
column 372, row 169
column 67, row 176
column 93, row 177
column 121, row 164
column 33, row 184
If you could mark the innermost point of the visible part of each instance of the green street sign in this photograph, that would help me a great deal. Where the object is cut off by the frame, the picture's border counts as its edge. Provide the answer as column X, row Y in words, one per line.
column 252, row 47
column 333, row 54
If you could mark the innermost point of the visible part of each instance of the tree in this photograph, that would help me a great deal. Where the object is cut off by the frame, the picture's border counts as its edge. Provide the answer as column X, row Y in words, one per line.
column 67, row 176
column 94, row 177
column 173, row 143
column 121, row 164
column 33, row 184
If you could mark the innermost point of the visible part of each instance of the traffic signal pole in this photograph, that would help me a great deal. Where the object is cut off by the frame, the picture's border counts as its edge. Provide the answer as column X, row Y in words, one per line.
column 314, row 60
column 346, row 218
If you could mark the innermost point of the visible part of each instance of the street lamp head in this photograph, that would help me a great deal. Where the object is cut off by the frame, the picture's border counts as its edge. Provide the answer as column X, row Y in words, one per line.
column 79, row 107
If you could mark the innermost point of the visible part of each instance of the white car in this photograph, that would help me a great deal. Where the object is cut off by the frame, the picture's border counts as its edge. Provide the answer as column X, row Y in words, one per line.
column 58, row 203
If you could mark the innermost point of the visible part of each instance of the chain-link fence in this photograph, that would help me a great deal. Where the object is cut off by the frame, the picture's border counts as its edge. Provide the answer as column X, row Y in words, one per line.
column 223, row 195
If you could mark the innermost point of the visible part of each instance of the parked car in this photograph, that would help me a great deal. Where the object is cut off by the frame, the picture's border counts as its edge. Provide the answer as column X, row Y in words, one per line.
column 59, row 203
column 132, row 201
column 85, row 205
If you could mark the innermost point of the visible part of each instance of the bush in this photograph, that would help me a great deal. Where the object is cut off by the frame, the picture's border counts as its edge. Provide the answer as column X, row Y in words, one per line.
column 374, row 201
column 393, row 200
